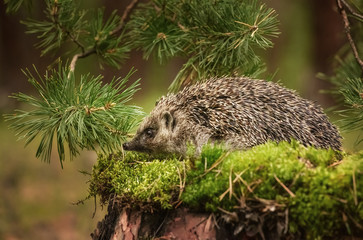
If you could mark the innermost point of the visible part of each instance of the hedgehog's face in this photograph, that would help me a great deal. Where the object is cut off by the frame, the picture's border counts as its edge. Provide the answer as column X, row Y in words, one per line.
column 155, row 135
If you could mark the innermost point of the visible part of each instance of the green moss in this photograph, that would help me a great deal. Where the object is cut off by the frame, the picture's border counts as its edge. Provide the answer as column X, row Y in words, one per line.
column 253, row 172
column 137, row 180
column 323, row 194
column 331, row 198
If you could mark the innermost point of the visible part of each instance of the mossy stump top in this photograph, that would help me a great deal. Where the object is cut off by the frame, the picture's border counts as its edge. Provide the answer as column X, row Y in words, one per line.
column 272, row 191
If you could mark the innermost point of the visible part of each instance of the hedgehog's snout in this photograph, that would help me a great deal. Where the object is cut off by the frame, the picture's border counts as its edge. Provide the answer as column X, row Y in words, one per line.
column 126, row 146
column 135, row 146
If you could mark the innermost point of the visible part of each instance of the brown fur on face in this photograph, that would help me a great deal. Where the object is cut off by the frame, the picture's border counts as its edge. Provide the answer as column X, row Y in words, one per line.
column 160, row 133
column 239, row 112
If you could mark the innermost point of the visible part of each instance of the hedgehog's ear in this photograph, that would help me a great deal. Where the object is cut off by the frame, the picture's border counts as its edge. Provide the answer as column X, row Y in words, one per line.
column 168, row 120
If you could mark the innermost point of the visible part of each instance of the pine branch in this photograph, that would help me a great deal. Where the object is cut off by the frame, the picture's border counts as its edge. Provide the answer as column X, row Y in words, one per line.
column 117, row 30
column 348, row 74
column 82, row 116
column 353, row 115
column 66, row 22
column 75, row 58
column 217, row 39
column 351, row 10
column 12, row 6
column 341, row 4
column 124, row 17
column 63, row 21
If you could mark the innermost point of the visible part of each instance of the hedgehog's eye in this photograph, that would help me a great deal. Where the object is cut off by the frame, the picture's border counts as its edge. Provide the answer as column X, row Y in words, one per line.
column 149, row 132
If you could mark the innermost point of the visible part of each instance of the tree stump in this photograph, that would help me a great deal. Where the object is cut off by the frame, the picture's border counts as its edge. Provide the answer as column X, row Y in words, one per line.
column 124, row 223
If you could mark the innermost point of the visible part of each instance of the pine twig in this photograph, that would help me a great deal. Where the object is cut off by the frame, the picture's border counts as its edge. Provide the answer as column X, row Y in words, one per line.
column 341, row 6
column 55, row 18
column 75, row 40
column 351, row 10
column 80, row 55
column 124, row 17
column 55, row 15
column 68, row 122
column 113, row 32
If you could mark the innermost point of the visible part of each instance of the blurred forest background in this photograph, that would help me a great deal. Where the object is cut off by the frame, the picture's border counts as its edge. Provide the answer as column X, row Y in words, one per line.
column 36, row 198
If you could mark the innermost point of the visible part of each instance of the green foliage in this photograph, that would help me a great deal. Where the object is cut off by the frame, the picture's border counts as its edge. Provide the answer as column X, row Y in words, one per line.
column 322, row 193
column 109, row 47
column 81, row 115
column 63, row 21
column 348, row 90
column 218, row 38
column 348, row 72
column 66, row 22
column 155, row 34
column 13, row 6
column 353, row 95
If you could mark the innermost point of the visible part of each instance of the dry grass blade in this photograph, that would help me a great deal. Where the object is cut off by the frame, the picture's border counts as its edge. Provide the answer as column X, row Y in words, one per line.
column 284, row 186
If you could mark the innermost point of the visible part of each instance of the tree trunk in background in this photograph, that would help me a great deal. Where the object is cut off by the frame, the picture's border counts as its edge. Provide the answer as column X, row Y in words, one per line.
column 328, row 38
column 311, row 34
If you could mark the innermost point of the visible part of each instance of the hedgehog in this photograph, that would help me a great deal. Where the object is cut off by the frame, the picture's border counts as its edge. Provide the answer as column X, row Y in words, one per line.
column 237, row 111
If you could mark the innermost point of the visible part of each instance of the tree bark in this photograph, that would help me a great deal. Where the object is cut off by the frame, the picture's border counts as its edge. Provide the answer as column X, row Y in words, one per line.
column 123, row 223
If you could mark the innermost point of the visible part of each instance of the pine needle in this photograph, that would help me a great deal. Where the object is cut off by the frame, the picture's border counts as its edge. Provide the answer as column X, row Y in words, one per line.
column 88, row 115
